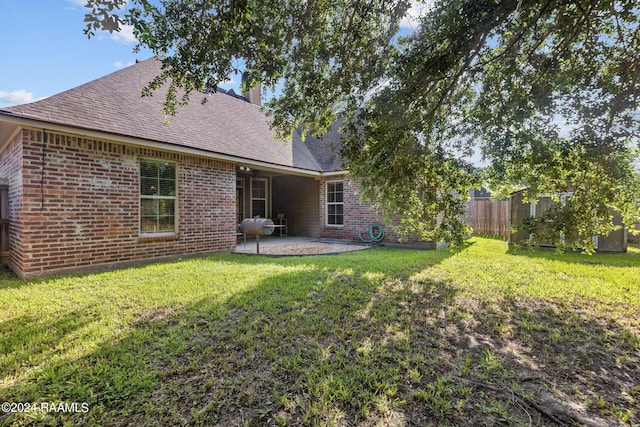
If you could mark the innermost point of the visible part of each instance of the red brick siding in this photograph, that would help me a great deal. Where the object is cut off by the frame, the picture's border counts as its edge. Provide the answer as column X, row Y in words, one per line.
column 83, row 208
column 11, row 170
column 358, row 214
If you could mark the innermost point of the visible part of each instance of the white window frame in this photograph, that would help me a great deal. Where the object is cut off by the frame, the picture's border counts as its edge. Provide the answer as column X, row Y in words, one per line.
column 267, row 192
column 327, row 203
column 157, row 197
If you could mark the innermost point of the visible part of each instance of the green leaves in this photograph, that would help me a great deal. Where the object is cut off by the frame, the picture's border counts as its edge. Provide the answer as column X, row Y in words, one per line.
column 553, row 108
column 102, row 16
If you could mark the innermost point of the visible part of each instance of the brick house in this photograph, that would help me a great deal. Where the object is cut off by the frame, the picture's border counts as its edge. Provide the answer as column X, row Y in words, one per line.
column 98, row 177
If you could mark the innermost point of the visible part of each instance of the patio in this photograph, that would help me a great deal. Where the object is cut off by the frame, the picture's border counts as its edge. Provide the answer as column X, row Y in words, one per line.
column 270, row 245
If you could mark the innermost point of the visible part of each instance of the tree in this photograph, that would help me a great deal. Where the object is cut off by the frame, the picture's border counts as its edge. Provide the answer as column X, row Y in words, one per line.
column 548, row 89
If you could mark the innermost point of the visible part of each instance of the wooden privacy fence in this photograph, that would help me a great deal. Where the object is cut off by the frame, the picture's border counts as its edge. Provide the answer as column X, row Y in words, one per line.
column 491, row 217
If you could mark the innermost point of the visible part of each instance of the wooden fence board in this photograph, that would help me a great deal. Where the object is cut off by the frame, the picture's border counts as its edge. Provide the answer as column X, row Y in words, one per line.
column 491, row 217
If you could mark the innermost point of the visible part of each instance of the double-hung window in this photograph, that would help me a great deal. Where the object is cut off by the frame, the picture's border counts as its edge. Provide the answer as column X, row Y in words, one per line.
column 259, row 198
column 158, row 203
column 335, row 203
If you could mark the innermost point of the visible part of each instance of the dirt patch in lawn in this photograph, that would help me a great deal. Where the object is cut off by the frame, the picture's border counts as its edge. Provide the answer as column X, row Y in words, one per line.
column 304, row 248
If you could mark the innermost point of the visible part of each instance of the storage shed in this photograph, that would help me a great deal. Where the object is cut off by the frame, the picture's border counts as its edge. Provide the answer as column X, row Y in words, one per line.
column 519, row 211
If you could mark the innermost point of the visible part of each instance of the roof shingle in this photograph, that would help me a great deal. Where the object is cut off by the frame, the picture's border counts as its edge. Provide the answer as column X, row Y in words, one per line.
column 224, row 124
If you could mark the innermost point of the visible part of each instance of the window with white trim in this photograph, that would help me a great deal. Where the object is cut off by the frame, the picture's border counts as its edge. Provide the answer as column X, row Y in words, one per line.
column 158, row 202
column 259, row 198
column 335, row 203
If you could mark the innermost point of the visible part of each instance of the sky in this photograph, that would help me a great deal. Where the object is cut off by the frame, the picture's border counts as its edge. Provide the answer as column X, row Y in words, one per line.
column 43, row 50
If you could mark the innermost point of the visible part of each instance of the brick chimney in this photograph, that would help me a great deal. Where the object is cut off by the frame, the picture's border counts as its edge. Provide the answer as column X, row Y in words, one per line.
column 254, row 94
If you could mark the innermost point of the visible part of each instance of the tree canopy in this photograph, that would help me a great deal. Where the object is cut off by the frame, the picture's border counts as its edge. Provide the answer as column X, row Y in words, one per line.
column 547, row 89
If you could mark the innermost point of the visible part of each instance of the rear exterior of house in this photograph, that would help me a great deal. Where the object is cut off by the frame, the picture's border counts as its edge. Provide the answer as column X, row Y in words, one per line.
column 97, row 178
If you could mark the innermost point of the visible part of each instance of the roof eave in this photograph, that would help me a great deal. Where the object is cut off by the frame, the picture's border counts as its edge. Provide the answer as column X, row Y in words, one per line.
column 335, row 173
column 26, row 122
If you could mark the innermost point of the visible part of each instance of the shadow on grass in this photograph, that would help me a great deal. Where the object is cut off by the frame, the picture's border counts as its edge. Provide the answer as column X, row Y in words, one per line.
column 580, row 368
column 350, row 340
column 28, row 343
column 629, row 259
column 491, row 236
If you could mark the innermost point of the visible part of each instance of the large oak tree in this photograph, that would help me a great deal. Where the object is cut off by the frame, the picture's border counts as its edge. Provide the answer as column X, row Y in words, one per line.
column 548, row 89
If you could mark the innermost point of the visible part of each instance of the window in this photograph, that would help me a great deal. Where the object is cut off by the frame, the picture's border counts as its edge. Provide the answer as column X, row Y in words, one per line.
column 158, row 204
column 259, row 198
column 335, row 203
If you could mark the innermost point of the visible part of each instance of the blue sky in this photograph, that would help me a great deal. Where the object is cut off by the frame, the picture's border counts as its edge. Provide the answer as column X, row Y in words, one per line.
column 44, row 51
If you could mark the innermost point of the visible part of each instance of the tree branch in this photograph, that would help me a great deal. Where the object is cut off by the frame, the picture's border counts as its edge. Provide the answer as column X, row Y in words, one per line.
column 515, row 396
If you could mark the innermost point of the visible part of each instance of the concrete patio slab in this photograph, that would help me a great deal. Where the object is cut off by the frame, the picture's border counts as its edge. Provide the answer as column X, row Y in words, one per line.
column 270, row 245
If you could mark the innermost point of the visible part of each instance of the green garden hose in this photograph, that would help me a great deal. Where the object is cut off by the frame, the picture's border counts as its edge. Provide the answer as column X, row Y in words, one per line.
column 373, row 234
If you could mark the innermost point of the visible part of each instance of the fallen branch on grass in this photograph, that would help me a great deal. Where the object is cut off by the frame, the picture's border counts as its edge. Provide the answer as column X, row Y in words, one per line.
column 516, row 397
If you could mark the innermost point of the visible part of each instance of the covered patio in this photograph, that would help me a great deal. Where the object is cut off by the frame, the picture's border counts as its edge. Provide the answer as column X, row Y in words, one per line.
column 291, row 201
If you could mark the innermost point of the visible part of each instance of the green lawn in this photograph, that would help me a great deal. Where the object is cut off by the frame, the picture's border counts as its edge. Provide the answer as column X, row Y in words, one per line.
column 489, row 335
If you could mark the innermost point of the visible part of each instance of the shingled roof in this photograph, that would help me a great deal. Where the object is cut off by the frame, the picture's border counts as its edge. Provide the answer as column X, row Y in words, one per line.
column 225, row 124
column 325, row 149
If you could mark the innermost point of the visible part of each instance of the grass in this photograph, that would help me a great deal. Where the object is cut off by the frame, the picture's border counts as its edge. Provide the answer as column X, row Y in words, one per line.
column 482, row 336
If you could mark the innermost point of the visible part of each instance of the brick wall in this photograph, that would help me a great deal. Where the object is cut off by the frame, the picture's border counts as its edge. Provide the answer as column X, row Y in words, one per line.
column 11, row 170
column 82, row 208
column 358, row 214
